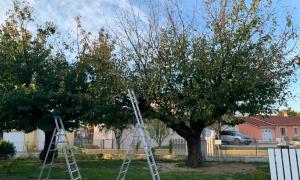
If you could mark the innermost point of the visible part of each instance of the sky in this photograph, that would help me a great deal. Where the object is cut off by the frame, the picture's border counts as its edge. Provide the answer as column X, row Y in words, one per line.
column 96, row 14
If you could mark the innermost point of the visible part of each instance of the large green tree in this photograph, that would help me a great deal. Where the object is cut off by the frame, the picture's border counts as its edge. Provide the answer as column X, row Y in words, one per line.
column 193, row 71
column 36, row 80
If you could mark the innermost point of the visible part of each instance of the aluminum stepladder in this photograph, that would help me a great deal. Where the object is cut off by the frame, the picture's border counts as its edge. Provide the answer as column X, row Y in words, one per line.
column 139, row 134
column 59, row 137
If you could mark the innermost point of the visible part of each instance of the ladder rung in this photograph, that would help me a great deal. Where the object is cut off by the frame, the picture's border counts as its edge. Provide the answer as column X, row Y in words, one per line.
column 140, row 134
column 48, row 165
column 73, row 163
column 59, row 131
column 61, row 134
column 75, row 170
column 122, row 172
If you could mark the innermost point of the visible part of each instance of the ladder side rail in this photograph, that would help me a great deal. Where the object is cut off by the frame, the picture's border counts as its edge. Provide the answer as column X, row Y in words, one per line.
column 134, row 108
column 140, row 132
column 150, row 158
column 141, row 120
column 125, row 165
column 47, row 154
column 136, row 105
column 155, row 169
column 65, row 136
column 149, row 154
column 67, row 162
column 70, row 149
column 54, row 152
column 128, row 157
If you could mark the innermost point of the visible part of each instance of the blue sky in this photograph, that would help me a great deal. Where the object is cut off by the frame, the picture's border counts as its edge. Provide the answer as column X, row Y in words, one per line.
column 102, row 13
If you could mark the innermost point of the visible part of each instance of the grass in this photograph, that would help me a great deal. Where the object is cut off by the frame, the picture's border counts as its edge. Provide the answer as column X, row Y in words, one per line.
column 108, row 169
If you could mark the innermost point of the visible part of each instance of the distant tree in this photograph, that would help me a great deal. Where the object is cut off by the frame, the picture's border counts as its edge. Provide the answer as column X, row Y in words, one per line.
column 240, row 61
column 105, row 79
column 157, row 130
column 289, row 112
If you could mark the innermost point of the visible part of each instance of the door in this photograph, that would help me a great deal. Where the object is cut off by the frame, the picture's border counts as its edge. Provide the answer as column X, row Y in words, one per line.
column 267, row 134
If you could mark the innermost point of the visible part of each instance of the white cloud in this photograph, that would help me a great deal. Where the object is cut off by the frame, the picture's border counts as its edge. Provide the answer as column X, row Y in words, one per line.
column 95, row 13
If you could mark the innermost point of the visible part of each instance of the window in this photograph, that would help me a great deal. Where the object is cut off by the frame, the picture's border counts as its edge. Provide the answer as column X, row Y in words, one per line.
column 295, row 131
column 224, row 133
column 282, row 132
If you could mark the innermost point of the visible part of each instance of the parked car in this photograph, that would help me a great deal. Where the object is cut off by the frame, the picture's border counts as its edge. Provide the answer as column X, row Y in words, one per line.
column 234, row 137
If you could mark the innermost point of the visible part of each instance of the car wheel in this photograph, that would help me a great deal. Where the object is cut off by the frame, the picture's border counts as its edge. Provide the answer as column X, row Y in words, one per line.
column 237, row 142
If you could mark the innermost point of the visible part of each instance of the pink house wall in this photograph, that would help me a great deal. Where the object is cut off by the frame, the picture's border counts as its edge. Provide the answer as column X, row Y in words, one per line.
column 251, row 131
column 289, row 131
column 256, row 132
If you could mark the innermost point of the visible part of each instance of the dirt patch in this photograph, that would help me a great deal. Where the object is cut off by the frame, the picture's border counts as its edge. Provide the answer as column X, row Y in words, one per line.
column 215, row 168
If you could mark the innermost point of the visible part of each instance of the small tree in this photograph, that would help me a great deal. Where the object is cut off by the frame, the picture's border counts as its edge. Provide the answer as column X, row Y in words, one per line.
column 105, row 79
column 157, row 130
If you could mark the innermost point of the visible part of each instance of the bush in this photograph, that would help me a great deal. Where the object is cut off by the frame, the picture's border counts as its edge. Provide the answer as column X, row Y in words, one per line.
column 7, row 149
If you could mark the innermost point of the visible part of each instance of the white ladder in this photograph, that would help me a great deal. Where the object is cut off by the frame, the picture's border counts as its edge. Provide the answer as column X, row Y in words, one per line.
column 60, row 137
column 139, row 134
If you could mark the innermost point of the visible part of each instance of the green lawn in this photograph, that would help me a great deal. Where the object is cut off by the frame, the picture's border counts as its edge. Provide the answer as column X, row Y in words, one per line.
column 108, row 169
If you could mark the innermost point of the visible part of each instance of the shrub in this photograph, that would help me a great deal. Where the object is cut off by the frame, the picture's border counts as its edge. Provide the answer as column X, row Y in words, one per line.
column 7, row 149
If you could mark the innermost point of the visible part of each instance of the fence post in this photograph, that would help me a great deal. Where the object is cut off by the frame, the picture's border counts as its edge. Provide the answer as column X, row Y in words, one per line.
column 256, row 148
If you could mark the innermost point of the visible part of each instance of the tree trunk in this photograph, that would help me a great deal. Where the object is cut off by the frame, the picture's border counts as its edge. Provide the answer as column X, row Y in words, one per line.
column 118, row 142
column 195, row 158
column 48, row 136
column 118, row 135
column 159, row 144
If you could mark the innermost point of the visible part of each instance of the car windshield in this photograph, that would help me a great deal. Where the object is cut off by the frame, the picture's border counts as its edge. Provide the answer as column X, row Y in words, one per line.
column 237, row 133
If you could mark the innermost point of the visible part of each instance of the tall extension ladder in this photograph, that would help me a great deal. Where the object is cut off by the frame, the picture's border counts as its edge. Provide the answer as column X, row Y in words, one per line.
column 139, row 134
column 60, row 137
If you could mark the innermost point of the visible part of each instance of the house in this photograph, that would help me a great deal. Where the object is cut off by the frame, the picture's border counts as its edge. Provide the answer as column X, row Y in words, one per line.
column 270, row 128
column 28, row 142
column 97, row 137
column 93, row 137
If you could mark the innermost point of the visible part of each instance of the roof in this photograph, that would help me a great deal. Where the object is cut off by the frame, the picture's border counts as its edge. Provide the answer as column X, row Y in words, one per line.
column 272, row 121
